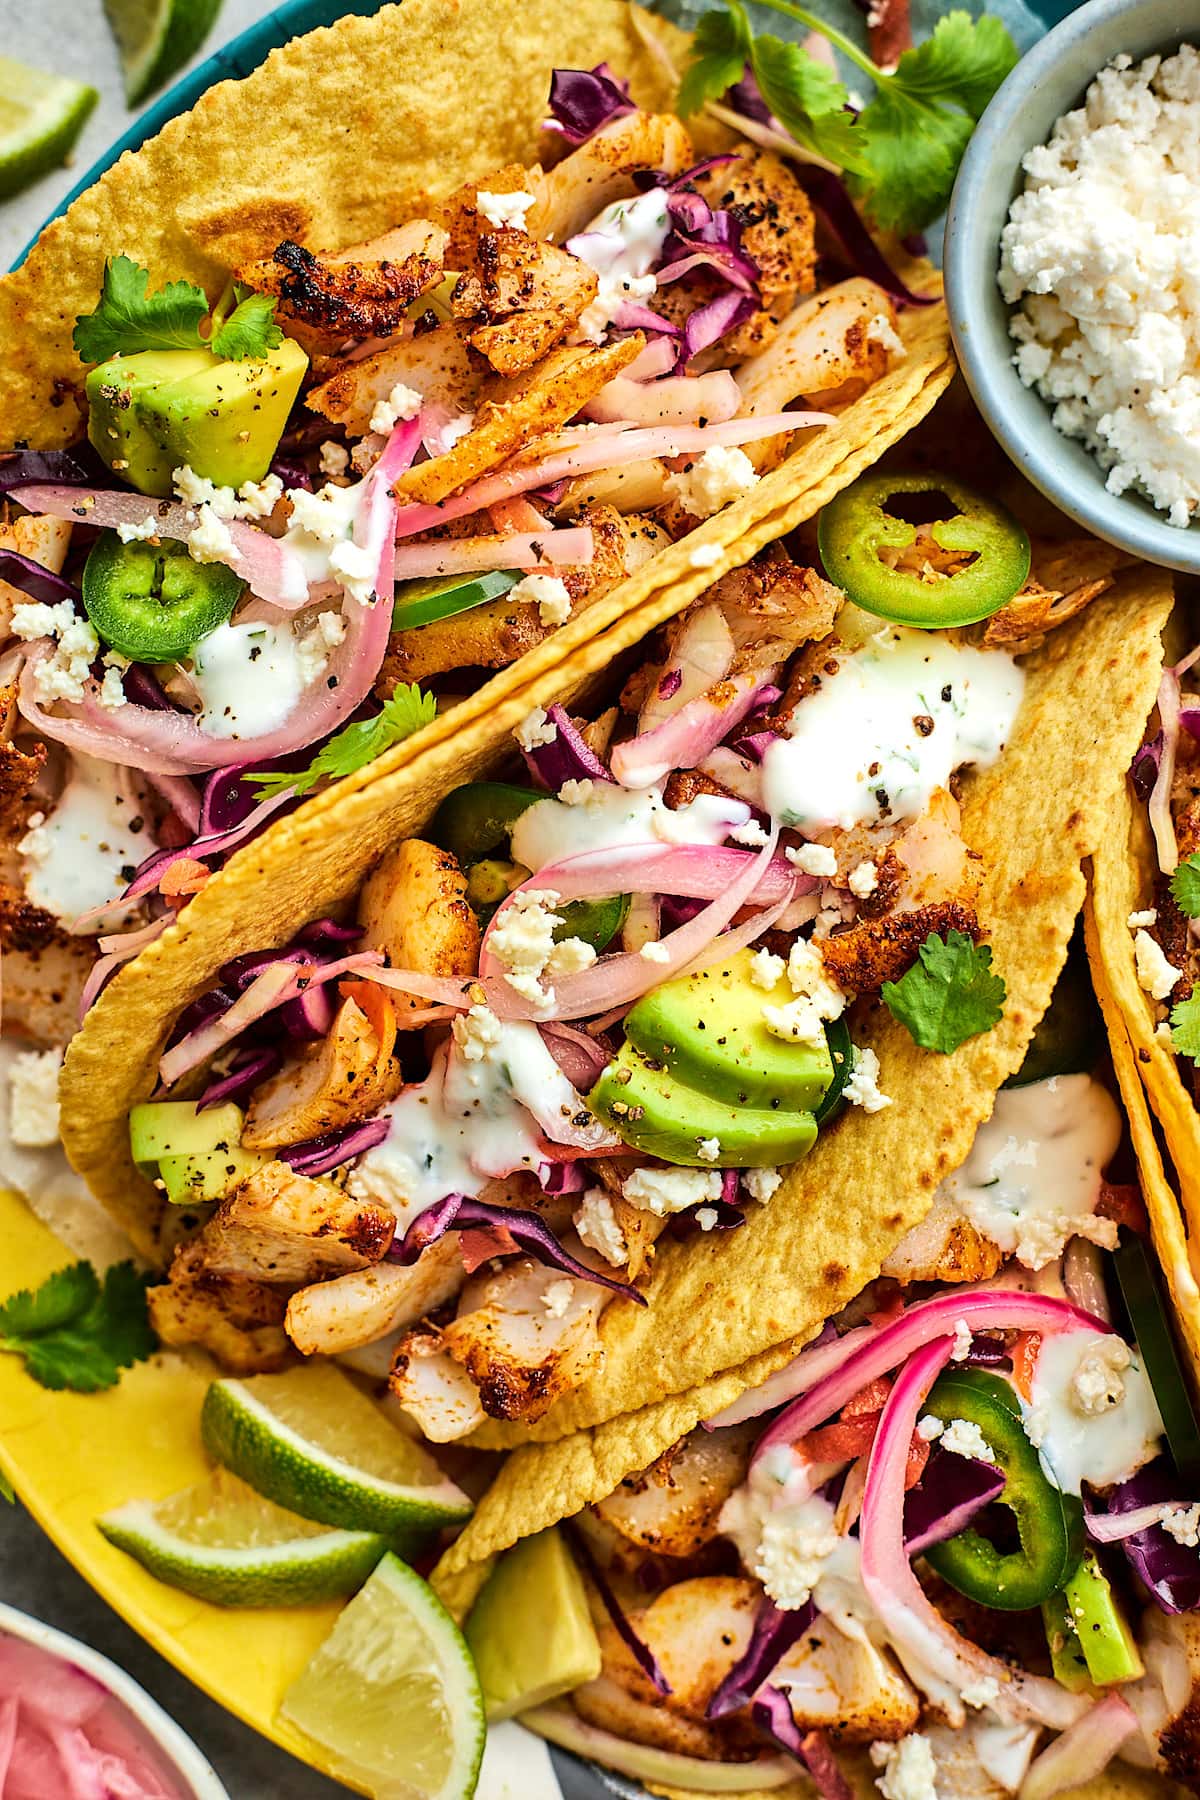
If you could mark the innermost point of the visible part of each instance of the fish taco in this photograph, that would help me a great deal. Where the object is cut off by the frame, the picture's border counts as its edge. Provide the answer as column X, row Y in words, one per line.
column 950, row 1547
column 311, row 460
column 632, row 1055
column 1145, row 900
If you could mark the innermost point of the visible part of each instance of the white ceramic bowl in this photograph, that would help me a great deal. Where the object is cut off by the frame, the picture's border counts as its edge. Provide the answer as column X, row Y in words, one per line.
column 194, row 1773
column 1049, row 81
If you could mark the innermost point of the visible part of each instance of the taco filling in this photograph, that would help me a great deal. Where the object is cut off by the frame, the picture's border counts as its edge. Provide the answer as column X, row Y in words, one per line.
column 406, row 461
column 611, row 1000
column 952, row 1546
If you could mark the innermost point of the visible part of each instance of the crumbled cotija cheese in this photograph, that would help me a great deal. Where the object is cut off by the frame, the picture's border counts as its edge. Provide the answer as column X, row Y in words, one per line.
column 1102, row 252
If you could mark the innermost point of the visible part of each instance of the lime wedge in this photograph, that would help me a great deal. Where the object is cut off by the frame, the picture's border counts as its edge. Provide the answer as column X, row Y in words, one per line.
column 40, row 117
column 392, row 1696
column 312, row 1441
column 225, row 1543
column 156, row 37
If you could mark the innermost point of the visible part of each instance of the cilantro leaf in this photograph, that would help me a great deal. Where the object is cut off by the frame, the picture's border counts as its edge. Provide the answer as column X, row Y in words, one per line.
column 1185, row 886
column 129, row 319
column 355, row 746
column 249, row 330
column 1185, row 1027
column 949, row 995
column 922, row 117
column 808, row 99
column 721, row 47
column 74, row 1333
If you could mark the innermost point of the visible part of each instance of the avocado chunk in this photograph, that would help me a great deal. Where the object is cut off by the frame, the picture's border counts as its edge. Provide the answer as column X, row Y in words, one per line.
column 652, row 1110
column 1066, row 1651
column 709, row 1032
column 196, row 1155
column 150, row 413
column 530, row 1631
column 1104, row 1637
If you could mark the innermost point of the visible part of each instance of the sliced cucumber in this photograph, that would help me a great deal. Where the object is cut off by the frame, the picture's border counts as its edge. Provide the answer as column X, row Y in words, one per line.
column 421, row 602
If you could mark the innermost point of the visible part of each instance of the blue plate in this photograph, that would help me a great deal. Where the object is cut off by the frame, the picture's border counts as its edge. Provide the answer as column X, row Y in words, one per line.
column 241, row 56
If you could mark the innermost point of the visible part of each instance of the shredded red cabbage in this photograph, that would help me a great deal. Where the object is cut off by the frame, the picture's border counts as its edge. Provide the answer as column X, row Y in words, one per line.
column 685, row 1224
column 773, row 1715
column 831, row 198
column 567, row 757
column 950, row 1492
column 774, row 1633
column 582, row 100
column 641, row 1652
column 714, row 320
column 702, row 237
column 459, row 1212
column 291, row 472
column 306, row 1018
column 745, row 97
column 248, row 1070
column 145, row 689
column 1143, row 770
column 34, row 579
column 561, row 1177
column 333, row 1148
column 20, row 467
column 1170, row 1570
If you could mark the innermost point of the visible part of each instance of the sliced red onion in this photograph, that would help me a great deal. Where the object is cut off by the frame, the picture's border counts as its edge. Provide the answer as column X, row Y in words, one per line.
column 689, row 734
column 1083, row 1751
column 831, row 198
column 249, row 1069
column 948, row 1661
column 558, row 1177
column 871, row 1351
column 581, row 1058
column 571, row 546
column 824, row 1356
column 774, row 1633
column 596, row 451
column 1161, row 822
column 583, row 100
column 118, row 950
column 1083, row 1276
column 632, row 316
column 18, row 468
column 945, row 1500
column 321, row 1154
column 641, row 1652
column 460, row 1212
column 1169, row 1569
column 309, row 1017
column 34, row 579
column 567, row 757
column 772, row 1712
column 675, row 399
column 324, row 934
column 149, row 874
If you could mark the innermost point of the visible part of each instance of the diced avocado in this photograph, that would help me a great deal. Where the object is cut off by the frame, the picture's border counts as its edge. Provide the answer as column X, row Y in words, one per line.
column 1104, row 1636
column 652, row 1110
column 708, row 1029
column 152, row 412
column 196, row 1155
column 530, row 1631
column 1066, row 1651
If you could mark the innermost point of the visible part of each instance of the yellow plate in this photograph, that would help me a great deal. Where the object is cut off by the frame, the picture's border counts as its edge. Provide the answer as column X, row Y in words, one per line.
column 72, row 1456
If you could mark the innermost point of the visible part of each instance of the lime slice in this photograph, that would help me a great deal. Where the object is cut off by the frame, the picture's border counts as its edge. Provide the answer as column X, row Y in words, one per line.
column 40, row 117
column 225, row 1543
column 156, row 37
column 312, row 1441
column 392, row 1696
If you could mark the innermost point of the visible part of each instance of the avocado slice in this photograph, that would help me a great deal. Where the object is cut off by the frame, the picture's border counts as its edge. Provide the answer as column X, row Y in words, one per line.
column 708, row 1030
column 530, row 1631
column 652, row 1110
column 196, row 1155
column 1104, row 1636
column 154, row 411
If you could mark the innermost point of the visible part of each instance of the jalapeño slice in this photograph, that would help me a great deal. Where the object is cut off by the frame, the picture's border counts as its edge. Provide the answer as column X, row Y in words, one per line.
column 1144, row 1293
column 152, row 602
column 1049, row 1524
column 856, row 526
column 421, row 602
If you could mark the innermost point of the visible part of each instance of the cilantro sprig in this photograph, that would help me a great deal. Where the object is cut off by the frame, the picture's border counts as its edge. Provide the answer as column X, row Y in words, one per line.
column 130, row 318
column 1185, row 1027
column 1185, row 886
column 902, row 151
column 76, row 1332
column 355, row 746
column 949, row 995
